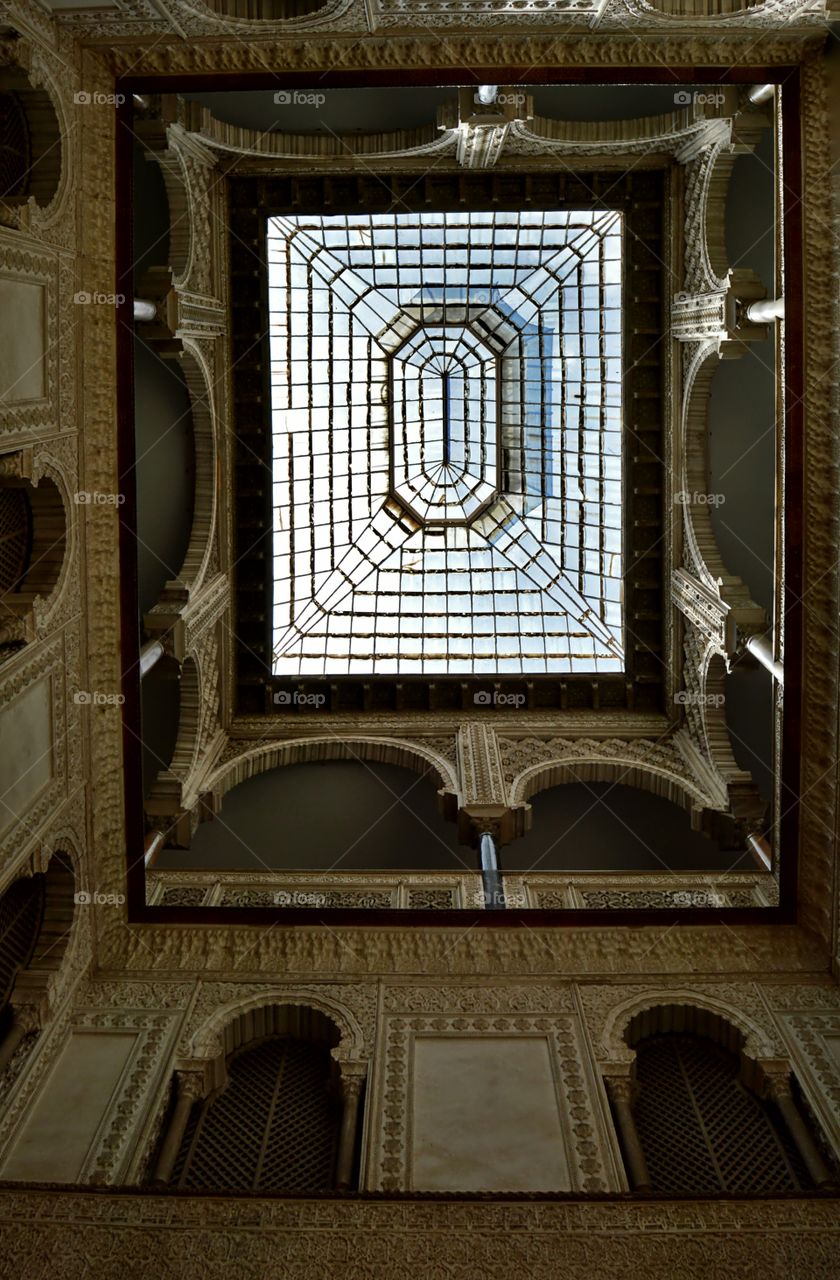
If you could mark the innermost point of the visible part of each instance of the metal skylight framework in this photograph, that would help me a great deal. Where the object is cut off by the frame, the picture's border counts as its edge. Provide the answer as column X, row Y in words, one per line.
column 446, row 426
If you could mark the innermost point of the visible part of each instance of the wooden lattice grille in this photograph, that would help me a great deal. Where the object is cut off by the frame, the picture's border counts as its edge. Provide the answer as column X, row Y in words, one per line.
column 701, row 1130
column 265, row 10
column 30, row 140
column 274, row 1127
column 14, row 146
column 21, row 909
column 15, row 536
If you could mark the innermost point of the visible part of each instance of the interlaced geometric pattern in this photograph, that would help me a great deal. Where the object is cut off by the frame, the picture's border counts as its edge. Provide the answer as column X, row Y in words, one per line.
column 273, row 1128
column 15, row 536
column 21, row 909
column 446, row 434
column 700, row 1129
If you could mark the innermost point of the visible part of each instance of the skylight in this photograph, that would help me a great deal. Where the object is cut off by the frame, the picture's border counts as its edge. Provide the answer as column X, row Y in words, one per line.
column 446, row 428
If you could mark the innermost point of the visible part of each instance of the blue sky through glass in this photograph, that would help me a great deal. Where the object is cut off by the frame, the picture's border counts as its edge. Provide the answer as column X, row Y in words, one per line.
column 446, row 428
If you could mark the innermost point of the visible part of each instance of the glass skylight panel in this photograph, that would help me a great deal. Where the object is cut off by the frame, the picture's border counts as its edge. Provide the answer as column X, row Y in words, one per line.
column 446, row 426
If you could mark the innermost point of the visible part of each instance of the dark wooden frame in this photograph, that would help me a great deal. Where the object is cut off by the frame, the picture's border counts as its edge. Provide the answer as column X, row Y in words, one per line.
column 642, row 196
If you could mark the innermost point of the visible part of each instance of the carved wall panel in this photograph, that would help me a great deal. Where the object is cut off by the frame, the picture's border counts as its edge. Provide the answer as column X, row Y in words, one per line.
column 197, row 1235
column 33, row 702
column 435, row 1013
column 31, row 294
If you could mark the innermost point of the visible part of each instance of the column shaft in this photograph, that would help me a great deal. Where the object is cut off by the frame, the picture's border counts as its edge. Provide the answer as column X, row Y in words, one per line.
column 761, row 647
column 761, row 93
column 765, row 310
column 805, row 1144
column 352, row 1092
column 155, row 841
column 174, row 1136
column 150, row 654
column 494, row 894
column 637, row 1170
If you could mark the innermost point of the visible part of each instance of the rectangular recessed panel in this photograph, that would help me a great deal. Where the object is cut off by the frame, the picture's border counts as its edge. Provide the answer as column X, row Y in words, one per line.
column 67, row 1113
column 485, row 1116
column 446, row 432
column 26, row 769
column 22, row 340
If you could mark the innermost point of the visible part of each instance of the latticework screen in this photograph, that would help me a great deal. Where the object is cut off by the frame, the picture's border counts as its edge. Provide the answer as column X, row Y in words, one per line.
column 265, row 10
column 15, row 537
column 14, row 146
column 21, row 910
column 701, row 1130
column 274, row 1128
column 447, row 441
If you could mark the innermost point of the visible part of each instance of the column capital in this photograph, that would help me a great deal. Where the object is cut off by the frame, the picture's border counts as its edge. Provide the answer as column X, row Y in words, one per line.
column 773, row 1078
column 190, row 1084
column 622, row 1088
column 26, row 1016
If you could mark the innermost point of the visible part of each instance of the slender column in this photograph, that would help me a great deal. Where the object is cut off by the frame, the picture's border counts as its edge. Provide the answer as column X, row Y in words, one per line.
column 144, row 310
column 623, row 1092
column 155, row 841
column 780, row 1092
column 494, row 894
column 24, row 1020
column 760, row 850
column 761, row 93
column 150, row 654
column 189, row 1085
column 766, row 309
column 761, row 647
column 351, row 1092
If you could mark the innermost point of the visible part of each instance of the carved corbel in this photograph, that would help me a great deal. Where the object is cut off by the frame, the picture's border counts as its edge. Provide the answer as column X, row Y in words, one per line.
column 723, row 624
column 169, row 628
column 164, row 812
column 485, row 806
column 482, row 129
column 155, row 286
column 503, row 822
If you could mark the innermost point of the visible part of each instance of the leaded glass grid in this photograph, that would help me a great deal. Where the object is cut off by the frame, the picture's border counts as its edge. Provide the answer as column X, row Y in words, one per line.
column 446, row 432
